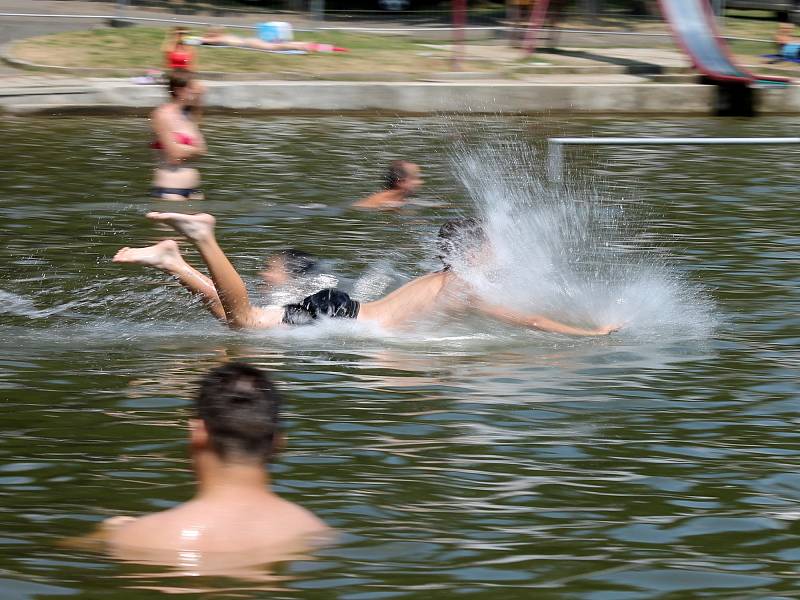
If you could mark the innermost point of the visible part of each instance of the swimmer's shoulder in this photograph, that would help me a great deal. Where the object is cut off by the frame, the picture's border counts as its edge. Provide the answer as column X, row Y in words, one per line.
column 158, row 111
column 301, row 521
column 127, row 530
column 372, row 201
column 114, row 523
column 164, row 113
column 435, row 282
column 160, row 118
column 119, row 529
column 379, row 201
column 113, row 529
column 458, row 291
column 97, row 539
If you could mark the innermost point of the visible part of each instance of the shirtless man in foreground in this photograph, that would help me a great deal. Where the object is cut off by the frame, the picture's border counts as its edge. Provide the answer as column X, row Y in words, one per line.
column 234, row 433
column 401, row 181
column 226, row 297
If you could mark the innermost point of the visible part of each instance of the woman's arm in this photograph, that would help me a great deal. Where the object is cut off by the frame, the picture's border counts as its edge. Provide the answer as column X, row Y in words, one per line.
column 533, row 321
column 173, row 150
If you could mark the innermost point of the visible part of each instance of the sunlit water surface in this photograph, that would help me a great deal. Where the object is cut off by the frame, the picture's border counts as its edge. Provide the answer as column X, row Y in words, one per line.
column 466, row 458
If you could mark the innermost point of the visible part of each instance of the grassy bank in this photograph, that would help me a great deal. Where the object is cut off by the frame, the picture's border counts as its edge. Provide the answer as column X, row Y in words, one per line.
column 370, row 55
column 139, row 48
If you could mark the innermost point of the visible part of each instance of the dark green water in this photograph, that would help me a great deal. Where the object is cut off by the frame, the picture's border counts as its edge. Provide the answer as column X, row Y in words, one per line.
column 477, row 462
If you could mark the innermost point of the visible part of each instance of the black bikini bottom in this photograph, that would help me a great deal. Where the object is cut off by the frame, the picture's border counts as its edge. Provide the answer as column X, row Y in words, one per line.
column 158, row 192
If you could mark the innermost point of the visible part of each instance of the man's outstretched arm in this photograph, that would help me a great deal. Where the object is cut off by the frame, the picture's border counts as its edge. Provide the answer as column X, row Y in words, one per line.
column 533, row 321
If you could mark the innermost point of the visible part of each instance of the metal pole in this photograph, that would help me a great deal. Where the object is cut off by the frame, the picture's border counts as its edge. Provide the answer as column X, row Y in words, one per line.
column 555, row 146
column 459, row 20
column 555, row 159
column 318, row 10
column 632, row 141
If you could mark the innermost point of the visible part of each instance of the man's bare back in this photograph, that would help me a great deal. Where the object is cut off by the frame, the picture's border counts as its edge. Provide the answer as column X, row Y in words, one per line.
column 415, row 300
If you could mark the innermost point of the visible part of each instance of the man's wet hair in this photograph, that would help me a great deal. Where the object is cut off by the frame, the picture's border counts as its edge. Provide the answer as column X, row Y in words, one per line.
column 298, row 262
column 456, row 236
column 178, row 79
column 240, row 407
column 397, row 171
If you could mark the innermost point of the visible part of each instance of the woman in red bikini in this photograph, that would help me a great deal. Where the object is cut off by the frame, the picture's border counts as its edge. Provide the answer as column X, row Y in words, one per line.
column 176, row 53
column 178, row 139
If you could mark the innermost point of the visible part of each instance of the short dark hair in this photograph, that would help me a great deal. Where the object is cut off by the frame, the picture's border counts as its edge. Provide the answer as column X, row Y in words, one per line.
column 457, row 235
column 239, row 406
column 396, row 172
column 178, row 79
column 298, row 262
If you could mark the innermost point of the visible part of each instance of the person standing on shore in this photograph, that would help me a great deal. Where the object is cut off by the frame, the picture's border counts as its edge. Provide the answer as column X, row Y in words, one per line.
column 177, row 54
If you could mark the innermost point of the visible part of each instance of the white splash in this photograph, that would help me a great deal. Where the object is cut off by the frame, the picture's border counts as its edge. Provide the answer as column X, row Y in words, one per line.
column 566, row 250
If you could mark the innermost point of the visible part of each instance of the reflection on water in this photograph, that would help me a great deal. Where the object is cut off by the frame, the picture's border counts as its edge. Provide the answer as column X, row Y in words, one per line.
column 475, row 459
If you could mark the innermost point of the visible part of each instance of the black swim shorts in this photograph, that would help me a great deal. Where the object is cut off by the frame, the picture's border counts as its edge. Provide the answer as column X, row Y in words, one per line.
column 160, row 192
column 331, row 303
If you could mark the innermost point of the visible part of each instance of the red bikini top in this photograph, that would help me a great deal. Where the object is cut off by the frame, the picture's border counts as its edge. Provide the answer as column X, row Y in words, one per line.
column 179, row 59
column 181, row 138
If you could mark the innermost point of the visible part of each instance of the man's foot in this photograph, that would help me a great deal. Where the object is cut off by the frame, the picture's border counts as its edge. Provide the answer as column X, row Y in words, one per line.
column 163, row 255
column 195, row 227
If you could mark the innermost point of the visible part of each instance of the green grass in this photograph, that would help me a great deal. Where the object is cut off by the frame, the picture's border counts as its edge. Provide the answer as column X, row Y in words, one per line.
column 139, row 48
column 371, row 56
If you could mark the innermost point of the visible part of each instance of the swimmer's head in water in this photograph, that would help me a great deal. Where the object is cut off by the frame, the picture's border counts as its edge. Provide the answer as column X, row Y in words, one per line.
column 298, row 262
column 287, row 264
column 238, row 407
column 402, row 175
column 459, row 239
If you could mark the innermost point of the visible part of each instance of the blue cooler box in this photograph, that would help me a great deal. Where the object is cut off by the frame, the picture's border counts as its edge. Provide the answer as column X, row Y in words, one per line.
column 274, row 31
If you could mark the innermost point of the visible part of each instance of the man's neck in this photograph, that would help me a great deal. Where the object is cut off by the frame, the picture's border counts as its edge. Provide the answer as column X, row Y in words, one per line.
column 219, row 480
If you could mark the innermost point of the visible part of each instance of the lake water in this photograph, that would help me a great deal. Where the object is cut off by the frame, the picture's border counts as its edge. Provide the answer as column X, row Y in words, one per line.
column 466, row 458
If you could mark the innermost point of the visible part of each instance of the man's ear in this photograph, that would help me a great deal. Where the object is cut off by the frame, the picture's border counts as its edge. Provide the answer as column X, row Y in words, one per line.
column 198, row 434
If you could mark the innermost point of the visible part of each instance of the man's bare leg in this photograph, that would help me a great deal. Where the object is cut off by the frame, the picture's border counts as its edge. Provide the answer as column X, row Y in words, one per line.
column 166, row 257
column 199, row 229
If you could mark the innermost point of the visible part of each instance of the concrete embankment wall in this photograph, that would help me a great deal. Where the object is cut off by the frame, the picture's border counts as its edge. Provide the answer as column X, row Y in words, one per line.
column 116, row 96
